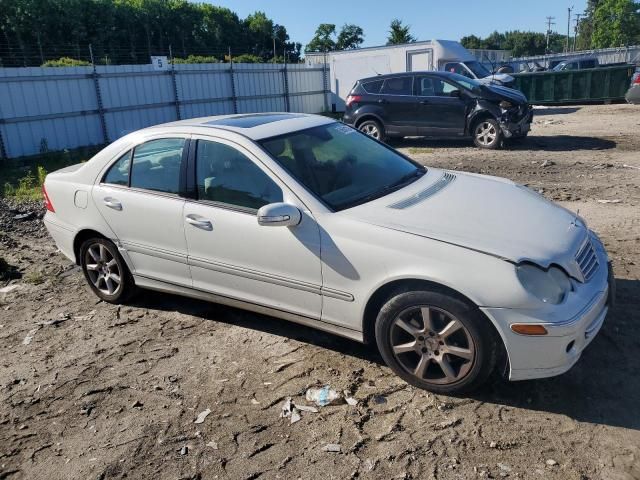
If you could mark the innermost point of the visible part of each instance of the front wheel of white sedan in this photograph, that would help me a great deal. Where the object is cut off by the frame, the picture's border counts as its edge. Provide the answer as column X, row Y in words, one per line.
column 105, row 270
column 435, row 341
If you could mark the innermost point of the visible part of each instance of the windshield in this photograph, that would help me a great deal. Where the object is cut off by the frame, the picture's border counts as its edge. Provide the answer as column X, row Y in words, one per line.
column 478, row 69
column 341, row 165
column 466, row 82
column 561, row 66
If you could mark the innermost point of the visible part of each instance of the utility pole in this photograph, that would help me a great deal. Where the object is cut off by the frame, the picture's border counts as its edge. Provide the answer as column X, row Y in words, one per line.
column 274, row 49
column 569, row 9
column 550, row 22
column 575, row 31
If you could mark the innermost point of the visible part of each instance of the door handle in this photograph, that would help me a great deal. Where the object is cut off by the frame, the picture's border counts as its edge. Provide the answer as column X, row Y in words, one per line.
column 383, row 100
column 424, row 102
column 112, row 203
column 199, row 222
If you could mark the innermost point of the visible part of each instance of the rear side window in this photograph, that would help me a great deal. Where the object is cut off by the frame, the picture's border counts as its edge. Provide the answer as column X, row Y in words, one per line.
column 588, row 64
column 156, row 165
column 397, row 86
column 373, row 87
column 224, row 175
column 118, row 174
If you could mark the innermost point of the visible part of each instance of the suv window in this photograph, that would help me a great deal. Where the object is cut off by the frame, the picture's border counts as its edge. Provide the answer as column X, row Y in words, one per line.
column 224, row 175
column 156, row 165
column 588, row 64
column 457, row 68
column 118, row 174
column 433, row 87
column 373, row 87
column 397, row 86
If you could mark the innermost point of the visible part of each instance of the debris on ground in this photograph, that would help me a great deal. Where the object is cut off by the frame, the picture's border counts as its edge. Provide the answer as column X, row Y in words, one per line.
column 551, row 462
column 9, row 288
column 29, row 337
column 202, row 415
column 349, row 399
column 332, row 447
column 292, row 411
column 184, row 450
column 323, row 396
column 547, row 163
column 616, row 200
column 213, row 445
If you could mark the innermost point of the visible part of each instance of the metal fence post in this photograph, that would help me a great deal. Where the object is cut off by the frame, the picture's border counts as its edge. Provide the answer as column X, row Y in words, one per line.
column 3, row 150
column 285, row 78
column 96, row 83
column 234, row 98
column 325, row 83
column 175, row 84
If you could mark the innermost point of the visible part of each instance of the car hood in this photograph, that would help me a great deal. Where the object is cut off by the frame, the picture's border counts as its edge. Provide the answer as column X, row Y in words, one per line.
column 501, row 77
column 508, row 93
column 487, row 214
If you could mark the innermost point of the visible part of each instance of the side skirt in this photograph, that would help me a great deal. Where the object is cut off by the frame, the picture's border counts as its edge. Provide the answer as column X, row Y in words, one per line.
column 160, row 286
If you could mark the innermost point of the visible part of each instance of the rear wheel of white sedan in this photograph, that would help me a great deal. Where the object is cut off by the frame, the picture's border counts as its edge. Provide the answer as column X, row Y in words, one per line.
column 105, row 270
column 435, row 341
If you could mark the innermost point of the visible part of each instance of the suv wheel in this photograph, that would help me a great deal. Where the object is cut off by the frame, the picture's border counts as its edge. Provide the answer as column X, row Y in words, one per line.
column 373, row 129
column 487, row 134
column 105, row 270
column 435, row 342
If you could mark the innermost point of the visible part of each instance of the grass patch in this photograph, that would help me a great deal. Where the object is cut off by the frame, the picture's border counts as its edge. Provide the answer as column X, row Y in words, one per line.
column 419, row 150
column 22, row 178
column 35, row 278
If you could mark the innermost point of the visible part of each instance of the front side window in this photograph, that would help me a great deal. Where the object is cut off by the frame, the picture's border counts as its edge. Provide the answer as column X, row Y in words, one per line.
column 156, row 165
column 226, row 176
column 457, row 68
column 340, row 165
column 397, row 86
column 433, row 87
column 118, row 174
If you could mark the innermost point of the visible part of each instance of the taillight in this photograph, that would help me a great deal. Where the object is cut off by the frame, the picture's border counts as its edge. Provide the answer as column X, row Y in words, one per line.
column 353, row 99
column 47, row 201
column 636, row 79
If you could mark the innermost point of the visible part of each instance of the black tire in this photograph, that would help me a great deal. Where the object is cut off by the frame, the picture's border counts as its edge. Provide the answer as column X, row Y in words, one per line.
column 474, row 339
column 486, row 133
column 373, row 128
column 102, row 265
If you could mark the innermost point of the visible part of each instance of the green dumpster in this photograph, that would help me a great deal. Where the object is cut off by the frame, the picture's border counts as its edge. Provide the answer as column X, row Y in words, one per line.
column 575, row 86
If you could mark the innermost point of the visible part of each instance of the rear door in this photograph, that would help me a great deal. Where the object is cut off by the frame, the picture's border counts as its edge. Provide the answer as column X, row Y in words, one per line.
column 399, row 105
column 440, row 107
column 138, row 196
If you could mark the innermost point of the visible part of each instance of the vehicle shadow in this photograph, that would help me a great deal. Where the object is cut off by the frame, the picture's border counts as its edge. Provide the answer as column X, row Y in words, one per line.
column 555, row 143
column 603, row 388
column 537, row 112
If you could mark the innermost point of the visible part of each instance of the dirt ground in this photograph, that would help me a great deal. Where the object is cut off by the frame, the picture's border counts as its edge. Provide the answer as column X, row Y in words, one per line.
column 92, row 390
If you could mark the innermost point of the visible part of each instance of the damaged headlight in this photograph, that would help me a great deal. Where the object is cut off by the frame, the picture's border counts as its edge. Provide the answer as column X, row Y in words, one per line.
column 549, row 286
column 505, row 105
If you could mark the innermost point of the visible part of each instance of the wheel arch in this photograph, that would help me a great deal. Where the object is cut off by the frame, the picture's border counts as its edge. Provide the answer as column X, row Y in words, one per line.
column 81, row 236
column 385, row 291
column 368, row 116
column 478, row 116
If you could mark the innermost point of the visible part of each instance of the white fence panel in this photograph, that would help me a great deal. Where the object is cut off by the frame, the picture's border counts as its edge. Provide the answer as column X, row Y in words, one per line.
column 44, row 109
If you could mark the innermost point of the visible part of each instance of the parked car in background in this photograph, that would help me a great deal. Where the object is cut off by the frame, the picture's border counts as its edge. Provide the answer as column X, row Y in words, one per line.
column 307, row 219
column 633, row 94
column 577, row 64
column 437, row 104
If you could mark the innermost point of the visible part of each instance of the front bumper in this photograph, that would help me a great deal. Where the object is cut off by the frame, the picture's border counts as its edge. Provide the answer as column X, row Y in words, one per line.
column 517, row 124
column 553, row 354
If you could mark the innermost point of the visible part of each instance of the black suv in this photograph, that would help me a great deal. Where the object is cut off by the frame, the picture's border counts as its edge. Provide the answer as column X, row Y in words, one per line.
column 437, row 104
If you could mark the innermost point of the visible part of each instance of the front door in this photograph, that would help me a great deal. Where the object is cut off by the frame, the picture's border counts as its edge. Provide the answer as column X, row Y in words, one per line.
column 138, row 198
column 441, row 110
column 229, row 253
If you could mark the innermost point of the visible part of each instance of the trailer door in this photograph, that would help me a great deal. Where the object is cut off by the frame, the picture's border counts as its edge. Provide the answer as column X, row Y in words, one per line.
column 419, row 60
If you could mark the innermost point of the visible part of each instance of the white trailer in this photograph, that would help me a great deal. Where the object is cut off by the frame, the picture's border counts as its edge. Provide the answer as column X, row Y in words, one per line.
column 348, row 66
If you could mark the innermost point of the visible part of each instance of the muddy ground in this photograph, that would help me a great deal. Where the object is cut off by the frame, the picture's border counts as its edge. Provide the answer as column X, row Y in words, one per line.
column 92, row 390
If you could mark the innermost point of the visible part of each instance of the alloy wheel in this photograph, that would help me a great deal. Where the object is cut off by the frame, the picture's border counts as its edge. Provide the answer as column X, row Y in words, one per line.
column 102, row 269
column 432, row 345
column 486, row 133
column 371, row 129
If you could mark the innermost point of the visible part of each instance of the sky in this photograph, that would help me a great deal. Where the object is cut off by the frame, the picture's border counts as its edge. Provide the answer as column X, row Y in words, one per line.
column 429, row 19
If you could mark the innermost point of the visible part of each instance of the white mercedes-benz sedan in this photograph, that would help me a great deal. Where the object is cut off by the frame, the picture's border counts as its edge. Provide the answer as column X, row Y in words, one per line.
column 301, row 217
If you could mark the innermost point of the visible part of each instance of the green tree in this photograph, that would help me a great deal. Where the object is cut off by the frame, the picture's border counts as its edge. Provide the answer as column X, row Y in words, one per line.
column 323, row 40
column 399, row 33
column 471, row 41
column 615, row 23
column 350, row 36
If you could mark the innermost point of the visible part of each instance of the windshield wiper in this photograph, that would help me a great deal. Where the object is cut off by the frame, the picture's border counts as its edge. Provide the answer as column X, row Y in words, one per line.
column 402, row 182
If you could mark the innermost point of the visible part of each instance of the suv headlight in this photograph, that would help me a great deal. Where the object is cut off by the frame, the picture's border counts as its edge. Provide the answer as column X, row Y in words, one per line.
column 505, row 105
column 550, row 286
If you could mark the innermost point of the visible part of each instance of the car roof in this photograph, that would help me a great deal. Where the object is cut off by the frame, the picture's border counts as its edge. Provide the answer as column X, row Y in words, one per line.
column 255, row 126
column 406, row 74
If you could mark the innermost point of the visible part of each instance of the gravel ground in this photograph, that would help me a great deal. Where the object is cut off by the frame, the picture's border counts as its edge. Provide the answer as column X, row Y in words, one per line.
column 92, row 390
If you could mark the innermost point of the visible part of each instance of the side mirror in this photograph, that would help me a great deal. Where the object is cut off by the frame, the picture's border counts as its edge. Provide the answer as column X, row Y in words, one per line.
column 279, row 215
column 455, row 93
